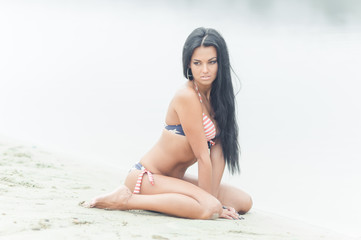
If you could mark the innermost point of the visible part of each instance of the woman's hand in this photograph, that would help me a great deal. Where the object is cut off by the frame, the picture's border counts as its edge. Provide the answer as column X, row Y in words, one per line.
column 230, row 213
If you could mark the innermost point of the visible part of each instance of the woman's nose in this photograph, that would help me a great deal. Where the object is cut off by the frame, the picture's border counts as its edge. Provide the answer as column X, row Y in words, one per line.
column 205, row 68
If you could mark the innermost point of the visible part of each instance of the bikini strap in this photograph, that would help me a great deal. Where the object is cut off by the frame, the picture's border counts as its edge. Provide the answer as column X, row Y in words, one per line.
column 199, row 94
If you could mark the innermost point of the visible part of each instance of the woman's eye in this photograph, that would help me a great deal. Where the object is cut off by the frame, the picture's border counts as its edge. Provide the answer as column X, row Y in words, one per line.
column 213, row 62
column 196, row 63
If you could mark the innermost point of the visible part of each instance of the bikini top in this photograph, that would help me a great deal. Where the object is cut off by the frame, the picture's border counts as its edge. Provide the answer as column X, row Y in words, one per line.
column 208, row 125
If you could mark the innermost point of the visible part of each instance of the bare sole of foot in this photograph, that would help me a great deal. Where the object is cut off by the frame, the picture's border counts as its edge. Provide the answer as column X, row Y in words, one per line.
column 116, row 200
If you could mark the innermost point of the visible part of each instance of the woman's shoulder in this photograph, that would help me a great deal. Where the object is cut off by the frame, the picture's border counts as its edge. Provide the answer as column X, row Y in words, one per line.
column 185, row 93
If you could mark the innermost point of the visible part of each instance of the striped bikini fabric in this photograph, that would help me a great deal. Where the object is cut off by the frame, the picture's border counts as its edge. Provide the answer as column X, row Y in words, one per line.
column 208, row 125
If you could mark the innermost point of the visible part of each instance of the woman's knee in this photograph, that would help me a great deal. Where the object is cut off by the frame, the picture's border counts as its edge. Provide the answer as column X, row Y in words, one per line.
column 246, row 205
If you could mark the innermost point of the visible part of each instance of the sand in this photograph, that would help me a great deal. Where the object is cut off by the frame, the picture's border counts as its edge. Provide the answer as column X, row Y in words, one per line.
column 40, row 192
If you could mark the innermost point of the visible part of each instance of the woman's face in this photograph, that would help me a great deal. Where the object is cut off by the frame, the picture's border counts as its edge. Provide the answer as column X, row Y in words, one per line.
column 204, row 65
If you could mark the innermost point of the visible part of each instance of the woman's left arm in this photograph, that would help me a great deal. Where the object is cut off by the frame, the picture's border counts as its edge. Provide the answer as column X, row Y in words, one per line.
column 218, row 165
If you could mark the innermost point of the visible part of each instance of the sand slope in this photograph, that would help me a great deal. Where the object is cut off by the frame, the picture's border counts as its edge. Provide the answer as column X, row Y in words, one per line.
column 40, row 192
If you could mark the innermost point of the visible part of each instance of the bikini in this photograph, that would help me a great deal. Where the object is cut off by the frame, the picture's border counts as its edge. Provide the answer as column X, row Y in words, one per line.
column 208, row 125
column 209, row 130
column 139, row 166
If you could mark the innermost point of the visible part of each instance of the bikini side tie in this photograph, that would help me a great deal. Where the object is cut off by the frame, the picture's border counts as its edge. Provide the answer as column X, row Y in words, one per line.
column 140, row 179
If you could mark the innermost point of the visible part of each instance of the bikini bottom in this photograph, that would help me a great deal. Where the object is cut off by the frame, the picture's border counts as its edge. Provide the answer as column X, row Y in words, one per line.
column 139, row 166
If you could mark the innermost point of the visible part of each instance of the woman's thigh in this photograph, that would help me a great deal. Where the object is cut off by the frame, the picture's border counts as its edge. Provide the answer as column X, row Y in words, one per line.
column 165, row 184
column 230, row 196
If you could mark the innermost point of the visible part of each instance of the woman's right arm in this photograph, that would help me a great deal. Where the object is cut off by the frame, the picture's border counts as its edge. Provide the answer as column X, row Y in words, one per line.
column 189, row 110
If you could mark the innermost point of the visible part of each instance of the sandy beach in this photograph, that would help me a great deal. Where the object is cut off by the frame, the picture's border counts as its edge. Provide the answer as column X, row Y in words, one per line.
column 40, row 192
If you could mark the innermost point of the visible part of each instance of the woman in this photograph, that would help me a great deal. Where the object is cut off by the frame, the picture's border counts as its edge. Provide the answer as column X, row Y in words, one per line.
column 200, row 127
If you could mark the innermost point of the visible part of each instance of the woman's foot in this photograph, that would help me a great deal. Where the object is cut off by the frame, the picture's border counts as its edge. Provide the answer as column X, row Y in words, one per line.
column 116, row 200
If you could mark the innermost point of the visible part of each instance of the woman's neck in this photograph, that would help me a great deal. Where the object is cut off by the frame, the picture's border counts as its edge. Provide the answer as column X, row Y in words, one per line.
column 205, row 90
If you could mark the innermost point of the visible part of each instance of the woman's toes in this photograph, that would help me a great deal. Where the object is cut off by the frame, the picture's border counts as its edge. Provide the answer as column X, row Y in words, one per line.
column 85, row 204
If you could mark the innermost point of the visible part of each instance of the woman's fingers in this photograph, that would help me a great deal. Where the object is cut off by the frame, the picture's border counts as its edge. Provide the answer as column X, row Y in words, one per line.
column 234, row 214
column 225, row 214
column 229, row 214
column 232, row 209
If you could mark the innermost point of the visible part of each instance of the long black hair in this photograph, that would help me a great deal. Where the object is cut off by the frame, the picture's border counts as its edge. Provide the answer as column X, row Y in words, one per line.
column 222, row 95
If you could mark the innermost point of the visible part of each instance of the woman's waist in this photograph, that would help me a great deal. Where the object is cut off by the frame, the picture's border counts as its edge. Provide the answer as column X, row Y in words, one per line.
column 171, row 144
column 163, row 158
column 165, row 168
